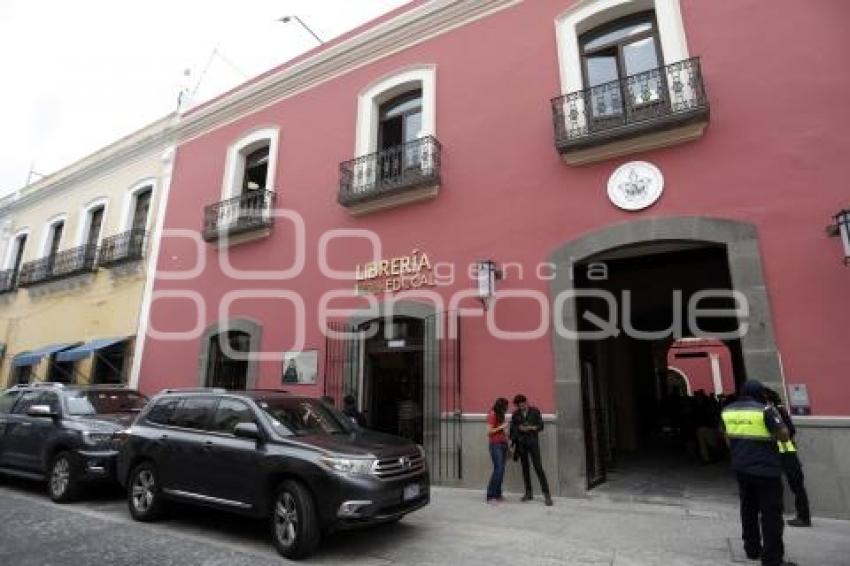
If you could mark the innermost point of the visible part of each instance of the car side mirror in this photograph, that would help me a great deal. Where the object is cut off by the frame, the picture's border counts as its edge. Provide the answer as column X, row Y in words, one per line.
column 248, row 430
column 41, row 411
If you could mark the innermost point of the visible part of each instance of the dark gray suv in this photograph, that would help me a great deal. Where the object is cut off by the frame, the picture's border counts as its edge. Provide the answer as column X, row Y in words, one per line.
column 65, row 434
column 291, row 459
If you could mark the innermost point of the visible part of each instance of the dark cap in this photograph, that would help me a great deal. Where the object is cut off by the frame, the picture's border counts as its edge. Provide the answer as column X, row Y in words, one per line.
column 752, row 388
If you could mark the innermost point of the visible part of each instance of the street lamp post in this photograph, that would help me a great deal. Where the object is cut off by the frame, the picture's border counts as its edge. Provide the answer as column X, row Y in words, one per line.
column 287, row 19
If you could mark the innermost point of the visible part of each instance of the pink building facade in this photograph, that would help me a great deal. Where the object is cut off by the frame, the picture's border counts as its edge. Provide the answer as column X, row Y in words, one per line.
column 694, row 166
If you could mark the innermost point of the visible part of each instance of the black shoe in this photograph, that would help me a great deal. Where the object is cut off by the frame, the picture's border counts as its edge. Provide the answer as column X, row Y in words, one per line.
column 527, row 497
column 798, row 522
column 548, row 500
column 753, row 555
column 787, row 563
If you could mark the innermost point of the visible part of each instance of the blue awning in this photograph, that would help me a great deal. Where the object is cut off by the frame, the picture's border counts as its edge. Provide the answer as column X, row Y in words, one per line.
column 30, row 358
column 86, row 349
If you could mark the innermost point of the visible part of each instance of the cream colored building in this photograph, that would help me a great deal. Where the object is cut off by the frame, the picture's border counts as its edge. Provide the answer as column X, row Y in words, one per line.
column 76, row 253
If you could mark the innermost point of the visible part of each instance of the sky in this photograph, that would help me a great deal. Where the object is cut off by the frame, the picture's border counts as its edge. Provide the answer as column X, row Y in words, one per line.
column 78, row 74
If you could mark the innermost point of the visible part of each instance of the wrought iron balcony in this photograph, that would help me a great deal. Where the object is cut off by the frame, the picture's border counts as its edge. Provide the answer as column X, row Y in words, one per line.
column 248, row 212
column 7, row 281
column 659, row 100
column 396, row 175
column 68, row 263
column 122, row 248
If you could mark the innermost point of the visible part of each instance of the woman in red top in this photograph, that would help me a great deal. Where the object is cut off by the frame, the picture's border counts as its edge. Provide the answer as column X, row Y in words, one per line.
column 497, row 428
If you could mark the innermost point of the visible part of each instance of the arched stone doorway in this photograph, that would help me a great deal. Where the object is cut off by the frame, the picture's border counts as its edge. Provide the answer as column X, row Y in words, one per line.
column 758, row 352
column 431, row 353
column 218, row 369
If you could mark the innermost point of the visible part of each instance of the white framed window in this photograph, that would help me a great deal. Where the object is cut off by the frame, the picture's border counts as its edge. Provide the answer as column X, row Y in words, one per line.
column 137, row 209
column 15, row 253
column 625, row 63
column 586, row 15
column 93, row 217
column 251, row 163
column 52, row 237
column 414, row 86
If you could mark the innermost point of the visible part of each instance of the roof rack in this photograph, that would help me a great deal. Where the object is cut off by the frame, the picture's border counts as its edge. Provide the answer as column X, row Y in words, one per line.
column 194, row 390
column 45, row 384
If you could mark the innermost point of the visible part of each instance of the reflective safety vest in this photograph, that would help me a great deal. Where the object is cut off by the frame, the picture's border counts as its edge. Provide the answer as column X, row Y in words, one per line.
column 746, row 423
column 786, row 447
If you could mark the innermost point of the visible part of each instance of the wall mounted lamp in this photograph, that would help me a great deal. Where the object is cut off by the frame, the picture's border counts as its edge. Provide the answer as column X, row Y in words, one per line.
column 487, row 275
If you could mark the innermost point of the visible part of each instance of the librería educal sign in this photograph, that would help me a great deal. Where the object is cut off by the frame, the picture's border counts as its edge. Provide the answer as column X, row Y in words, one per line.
column 412, row 271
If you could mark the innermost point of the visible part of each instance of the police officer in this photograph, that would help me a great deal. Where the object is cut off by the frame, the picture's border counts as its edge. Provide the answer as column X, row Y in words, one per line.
column 791, row 464
column 752, row 430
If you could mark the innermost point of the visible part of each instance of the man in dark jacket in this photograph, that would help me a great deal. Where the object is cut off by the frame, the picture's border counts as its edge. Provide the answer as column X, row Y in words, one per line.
column 349, row 409
column 526, row 424
column 753, row 429
column 791, row 464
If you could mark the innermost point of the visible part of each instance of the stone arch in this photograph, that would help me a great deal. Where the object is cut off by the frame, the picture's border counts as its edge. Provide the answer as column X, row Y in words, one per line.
column 429, row 314
column 758, row 346
column 683, row 376
column 253, row 328
column 419, row 310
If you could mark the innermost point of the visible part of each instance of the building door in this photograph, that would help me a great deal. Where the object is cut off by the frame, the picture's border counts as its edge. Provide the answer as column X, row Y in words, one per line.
column 109, row 364
column 138, row 226
column 393, row 383
column 633, row 422
column 20, row 245
column 594, row 439
column 228, row 364
column 53, row 245
column 400, row 125
column 404, row 372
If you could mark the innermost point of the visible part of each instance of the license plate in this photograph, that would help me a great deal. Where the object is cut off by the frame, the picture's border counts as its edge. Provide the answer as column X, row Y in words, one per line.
column 411, row 492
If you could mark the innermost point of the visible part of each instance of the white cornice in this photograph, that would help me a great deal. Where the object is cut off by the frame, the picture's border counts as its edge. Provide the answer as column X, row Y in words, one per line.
column 151, row 139
column 399, row 33
column 396, row 34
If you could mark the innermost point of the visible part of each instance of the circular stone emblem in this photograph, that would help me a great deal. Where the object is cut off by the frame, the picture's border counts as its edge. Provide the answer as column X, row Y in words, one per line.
column 635, row 185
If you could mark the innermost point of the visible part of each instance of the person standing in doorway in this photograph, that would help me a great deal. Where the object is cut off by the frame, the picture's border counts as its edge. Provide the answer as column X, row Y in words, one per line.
column 752, row 429
column 349, row 409
column 526, row 424
column 408, row 414
column 791, row 464
column 497, row 428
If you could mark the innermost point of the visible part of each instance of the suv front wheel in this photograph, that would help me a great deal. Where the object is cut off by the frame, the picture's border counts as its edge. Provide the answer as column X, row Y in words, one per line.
column 62, row 480
column 143, row 493
column 294, row 523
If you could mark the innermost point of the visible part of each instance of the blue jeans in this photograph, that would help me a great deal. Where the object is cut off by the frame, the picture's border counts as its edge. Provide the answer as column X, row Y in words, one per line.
column 499, row 455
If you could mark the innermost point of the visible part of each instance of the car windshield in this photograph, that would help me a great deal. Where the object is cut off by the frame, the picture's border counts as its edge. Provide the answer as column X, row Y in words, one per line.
column 303, row 416
column 96, row 402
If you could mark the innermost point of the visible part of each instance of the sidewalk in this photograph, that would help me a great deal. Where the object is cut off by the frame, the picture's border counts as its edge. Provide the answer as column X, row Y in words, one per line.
column 459, row 528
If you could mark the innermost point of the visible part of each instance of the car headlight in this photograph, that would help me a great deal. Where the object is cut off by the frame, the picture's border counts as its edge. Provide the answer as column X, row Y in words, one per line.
column 97, row 439
column 422, row 454
column 351, row 466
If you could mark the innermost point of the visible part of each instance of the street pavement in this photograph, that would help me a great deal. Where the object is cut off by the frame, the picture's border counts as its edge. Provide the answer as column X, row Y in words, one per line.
column 457, row 528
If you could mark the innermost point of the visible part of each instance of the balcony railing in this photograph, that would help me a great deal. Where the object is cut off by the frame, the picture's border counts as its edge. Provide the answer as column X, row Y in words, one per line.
column 248, row 212
column 658, row 99
column 7, row 281
column 68, row 263
column 391, row 171
column 122, row 248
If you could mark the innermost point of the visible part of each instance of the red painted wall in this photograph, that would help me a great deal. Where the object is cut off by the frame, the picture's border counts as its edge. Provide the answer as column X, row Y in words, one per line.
column 773, row 155
column 697, row 370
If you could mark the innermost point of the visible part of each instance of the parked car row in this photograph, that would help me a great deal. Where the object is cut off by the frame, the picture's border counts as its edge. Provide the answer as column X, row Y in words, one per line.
column 292, row 460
